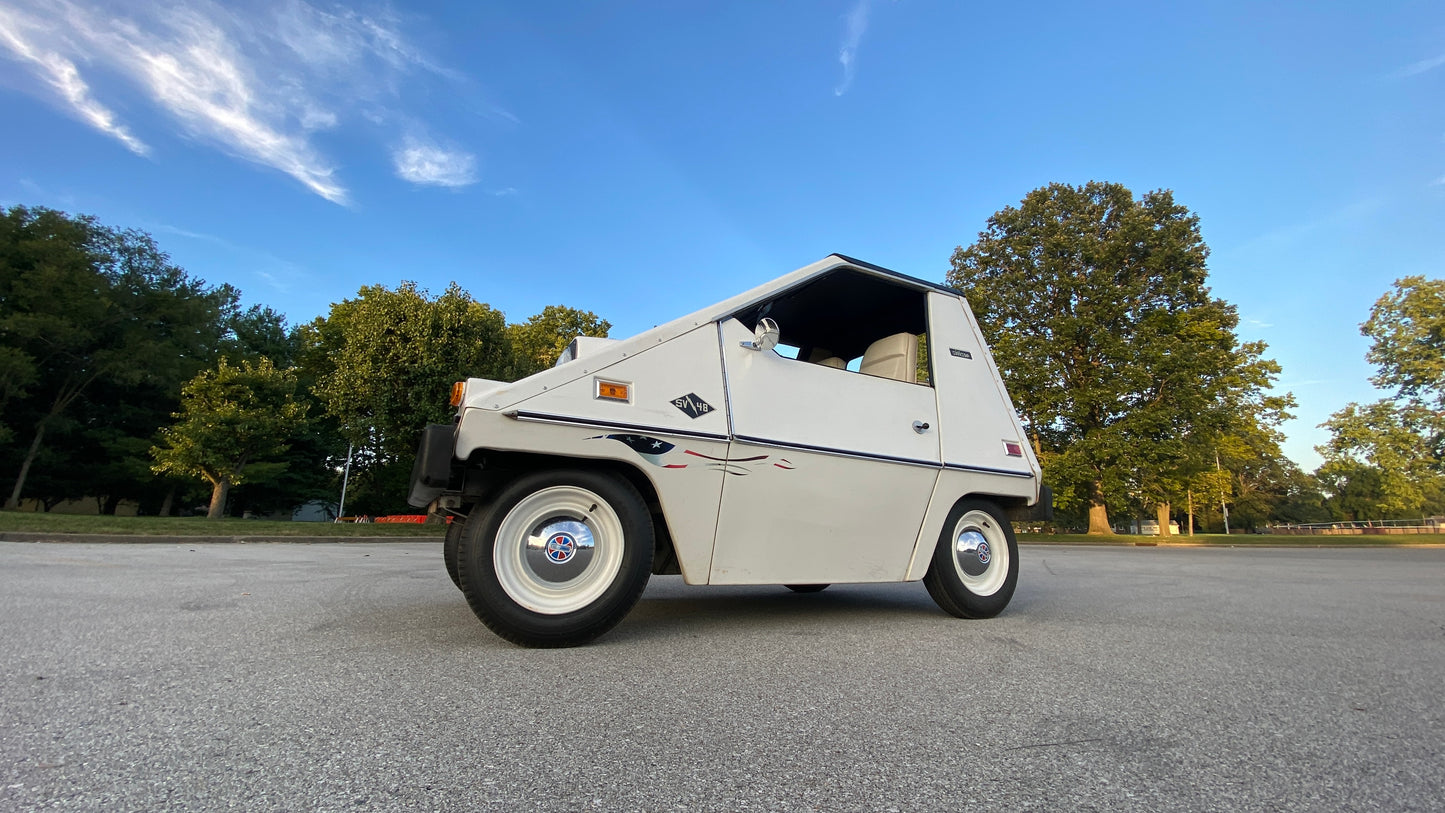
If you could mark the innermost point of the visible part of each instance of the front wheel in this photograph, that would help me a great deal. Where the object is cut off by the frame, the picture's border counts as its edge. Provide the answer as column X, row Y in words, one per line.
column 558, row 558
column 975, row 565
column 450, row 547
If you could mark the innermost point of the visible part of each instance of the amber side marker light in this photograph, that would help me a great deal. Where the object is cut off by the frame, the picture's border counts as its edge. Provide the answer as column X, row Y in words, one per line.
column 457, row 390
column 612, row 390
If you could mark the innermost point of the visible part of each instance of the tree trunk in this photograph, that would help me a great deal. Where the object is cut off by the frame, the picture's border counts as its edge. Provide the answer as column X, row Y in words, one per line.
column 169, row 502
column 1098, row 512
column 58, row 406
column 1162, row 513
column 14, row 501
column 219, row 490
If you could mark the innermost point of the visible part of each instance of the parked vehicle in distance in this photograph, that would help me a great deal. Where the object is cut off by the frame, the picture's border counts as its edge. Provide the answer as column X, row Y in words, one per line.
column 841, row 424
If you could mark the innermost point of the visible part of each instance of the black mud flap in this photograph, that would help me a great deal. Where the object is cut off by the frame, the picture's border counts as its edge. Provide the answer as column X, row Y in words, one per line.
column 432, row 472
column 1041, row 511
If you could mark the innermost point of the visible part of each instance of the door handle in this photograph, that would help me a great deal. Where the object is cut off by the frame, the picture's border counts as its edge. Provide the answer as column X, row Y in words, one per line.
column 920, row 427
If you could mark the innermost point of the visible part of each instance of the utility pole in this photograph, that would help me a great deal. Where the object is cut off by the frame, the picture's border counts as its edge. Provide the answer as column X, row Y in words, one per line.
column 345, row 478
column 1223, row 508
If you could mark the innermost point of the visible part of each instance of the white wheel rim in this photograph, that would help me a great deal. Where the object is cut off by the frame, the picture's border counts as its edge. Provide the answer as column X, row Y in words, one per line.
column 980, row 553
column 558, row 550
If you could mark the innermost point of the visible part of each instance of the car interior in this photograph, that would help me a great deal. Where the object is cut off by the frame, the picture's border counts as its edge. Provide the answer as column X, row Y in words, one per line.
column 849, row 320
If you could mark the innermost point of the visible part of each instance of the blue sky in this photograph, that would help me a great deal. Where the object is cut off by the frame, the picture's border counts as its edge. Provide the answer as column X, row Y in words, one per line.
column 642, row 160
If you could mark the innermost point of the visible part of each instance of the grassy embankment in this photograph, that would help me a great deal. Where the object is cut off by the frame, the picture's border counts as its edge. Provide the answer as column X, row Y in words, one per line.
column 200, row 526
column 1241, row 540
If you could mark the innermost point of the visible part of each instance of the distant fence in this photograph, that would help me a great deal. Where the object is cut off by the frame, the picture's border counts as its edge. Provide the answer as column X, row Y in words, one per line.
column 1424, row 525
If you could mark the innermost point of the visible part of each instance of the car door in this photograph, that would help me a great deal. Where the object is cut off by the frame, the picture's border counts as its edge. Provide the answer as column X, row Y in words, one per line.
column 828, row 474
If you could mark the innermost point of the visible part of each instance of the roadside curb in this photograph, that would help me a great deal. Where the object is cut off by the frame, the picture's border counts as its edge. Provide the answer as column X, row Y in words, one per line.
column 133, row 539
column 247, row 539
column 1234, row 545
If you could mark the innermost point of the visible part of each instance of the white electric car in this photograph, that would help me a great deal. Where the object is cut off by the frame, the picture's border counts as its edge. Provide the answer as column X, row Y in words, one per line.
column 841, row 424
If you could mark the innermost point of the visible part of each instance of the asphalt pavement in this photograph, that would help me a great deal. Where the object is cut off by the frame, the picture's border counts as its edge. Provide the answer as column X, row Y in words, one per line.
column 353, row 677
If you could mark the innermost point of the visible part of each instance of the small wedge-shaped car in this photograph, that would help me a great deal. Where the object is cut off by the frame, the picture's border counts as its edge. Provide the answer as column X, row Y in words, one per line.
column 843, row 423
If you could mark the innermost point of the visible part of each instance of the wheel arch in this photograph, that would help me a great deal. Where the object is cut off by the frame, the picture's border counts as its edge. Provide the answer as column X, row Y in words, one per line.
column 949, row 493
column 487, row 470
column 974, row 574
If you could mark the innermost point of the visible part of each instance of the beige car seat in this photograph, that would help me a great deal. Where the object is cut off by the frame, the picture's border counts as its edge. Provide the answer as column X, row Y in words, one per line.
column 893, row 357
column 826, row 358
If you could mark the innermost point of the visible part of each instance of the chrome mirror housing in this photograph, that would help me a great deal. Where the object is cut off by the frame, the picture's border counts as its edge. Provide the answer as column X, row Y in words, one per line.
column 765, row 336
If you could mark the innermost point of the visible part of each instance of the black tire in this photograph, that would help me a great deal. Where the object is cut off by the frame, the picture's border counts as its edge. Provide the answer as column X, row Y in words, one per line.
column 806, row 588
column 449, row 548
column 970, row 581
column 578, row 583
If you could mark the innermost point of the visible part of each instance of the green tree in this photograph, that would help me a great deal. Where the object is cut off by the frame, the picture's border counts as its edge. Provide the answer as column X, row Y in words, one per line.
column 1300, row 498
column 82, row 304
column 231, row 420
column 1407, row 325
column 537, row 342
column 383, row 364
column 1123, row 366
column 1387, row 458
column 256, row 332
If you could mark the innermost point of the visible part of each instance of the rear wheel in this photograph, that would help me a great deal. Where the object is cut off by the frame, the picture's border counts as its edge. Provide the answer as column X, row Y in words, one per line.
column 975, row 565
column 558, row 558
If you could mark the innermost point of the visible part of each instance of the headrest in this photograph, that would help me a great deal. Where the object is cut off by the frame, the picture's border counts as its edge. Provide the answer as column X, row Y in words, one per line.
column 893, row 357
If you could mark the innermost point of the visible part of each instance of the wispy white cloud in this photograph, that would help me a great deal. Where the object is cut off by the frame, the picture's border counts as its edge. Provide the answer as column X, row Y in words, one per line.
column 258, row 85
column 274, row 281
column 421, row 162
column 855, row 26
column 1282, row 237
column 284, row 275
column 1417, row 68
column 23, row 37
column 504, row 192
column 202, row 79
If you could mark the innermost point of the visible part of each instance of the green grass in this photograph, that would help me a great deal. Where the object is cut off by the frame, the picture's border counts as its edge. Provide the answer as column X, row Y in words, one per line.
column 200, row 526
column 1240, row 540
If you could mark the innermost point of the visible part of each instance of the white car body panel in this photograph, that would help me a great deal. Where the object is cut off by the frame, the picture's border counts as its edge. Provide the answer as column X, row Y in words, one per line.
column 567, row 420
column 814, row 505
column 771, row 470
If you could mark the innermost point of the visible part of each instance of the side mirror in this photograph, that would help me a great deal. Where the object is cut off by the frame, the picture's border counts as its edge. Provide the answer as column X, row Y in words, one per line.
column 765, row 336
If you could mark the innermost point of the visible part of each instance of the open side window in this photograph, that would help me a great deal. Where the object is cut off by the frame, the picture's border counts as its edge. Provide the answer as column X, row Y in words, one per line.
column 850, row 320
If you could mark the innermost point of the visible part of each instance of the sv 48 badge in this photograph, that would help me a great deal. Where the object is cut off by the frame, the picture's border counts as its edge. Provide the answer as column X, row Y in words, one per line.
column 692, row 405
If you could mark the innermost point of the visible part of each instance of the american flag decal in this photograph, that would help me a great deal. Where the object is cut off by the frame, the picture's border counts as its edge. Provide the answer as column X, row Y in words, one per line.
column 655, row 451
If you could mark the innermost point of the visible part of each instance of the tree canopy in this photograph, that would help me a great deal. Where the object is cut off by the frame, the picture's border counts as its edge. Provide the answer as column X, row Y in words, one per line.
column 231, row 420
column 101, row 334
column 82, row 304
column 383, row 363
column 1125, row 368
column 539, row 341
column 1387, row 459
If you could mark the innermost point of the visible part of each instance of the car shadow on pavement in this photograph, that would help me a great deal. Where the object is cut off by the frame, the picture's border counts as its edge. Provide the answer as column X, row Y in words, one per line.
column 670, row 609
column 771, row 609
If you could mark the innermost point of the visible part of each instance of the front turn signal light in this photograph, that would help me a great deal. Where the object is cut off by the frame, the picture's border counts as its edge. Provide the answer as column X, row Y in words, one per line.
column 458, row 389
